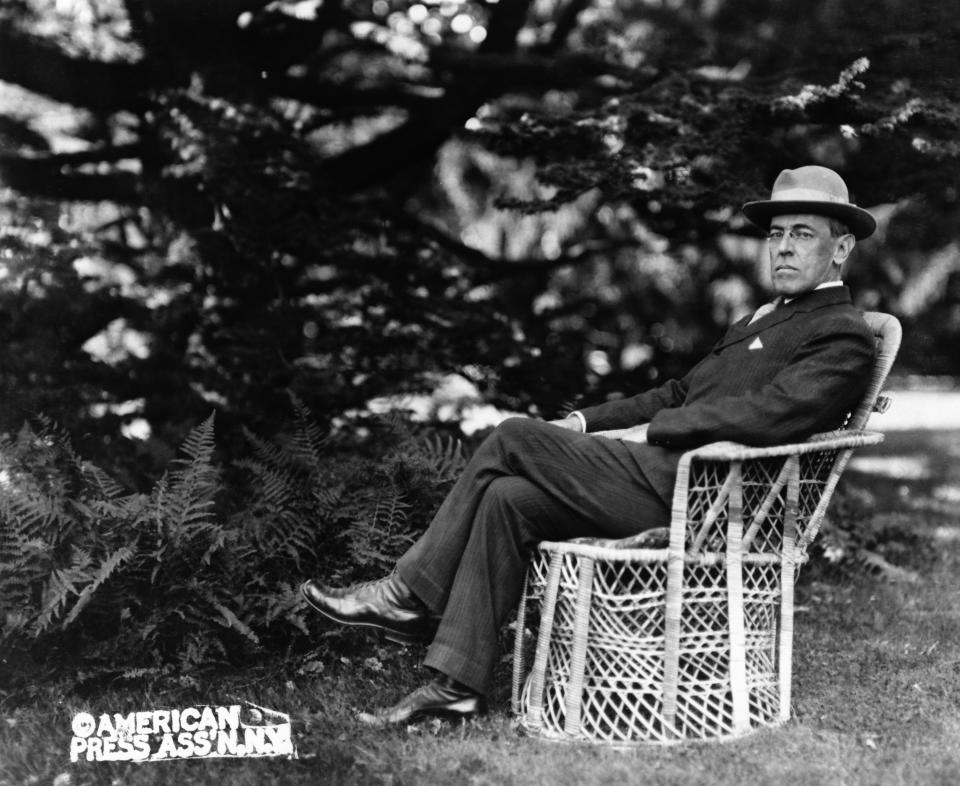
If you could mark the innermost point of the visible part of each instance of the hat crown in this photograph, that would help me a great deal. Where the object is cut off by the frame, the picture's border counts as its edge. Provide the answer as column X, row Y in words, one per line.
column 810, row 182
column 811, row 189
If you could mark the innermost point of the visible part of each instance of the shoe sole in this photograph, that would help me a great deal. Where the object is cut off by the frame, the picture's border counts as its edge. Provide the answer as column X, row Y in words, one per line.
column 396, row 636
column 465, row 708
column 458, row 711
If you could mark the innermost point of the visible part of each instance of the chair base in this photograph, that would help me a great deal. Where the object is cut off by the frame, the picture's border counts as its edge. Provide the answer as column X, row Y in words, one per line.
column 598, row 675
column 562, row 738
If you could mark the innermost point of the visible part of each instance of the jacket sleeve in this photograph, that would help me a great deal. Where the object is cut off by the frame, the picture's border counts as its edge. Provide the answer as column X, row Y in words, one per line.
column 634, row 410
column 641, row 408
column 823, row 381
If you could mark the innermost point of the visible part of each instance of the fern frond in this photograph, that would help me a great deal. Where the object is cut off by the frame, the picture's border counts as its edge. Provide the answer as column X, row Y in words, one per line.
column 309, row 441
column 267, row 453
column 396, row 423
column 282, row 603
column 327, row 499
column 231, row 620
column 377, row 533
column 201, row 647
column 390, row 512
column 61, row 585
column 140, row 673
column 444, row 456
column 183, row 503
column 200, row 443
column 299, row 540
column 107, row 487
column 220, row 539
column 21, row 573
column 57, row 437
column 125, row 509
column 276, row 486
column 30, row 513
column 106, row 569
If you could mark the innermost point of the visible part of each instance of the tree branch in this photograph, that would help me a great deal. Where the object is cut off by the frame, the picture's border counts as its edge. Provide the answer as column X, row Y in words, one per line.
column 56, row 161
column 566, row 22
column 44, row 176
column 15, row 133
column 499, row 269
column 392, row 155
column 311, row 92
column 42, row 67
column 525, row 70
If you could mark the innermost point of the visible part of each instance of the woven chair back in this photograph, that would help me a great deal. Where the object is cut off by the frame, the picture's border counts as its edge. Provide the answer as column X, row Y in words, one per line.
column 888, row 333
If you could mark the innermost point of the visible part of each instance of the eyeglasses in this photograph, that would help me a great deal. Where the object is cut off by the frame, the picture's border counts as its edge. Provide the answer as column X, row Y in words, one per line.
column 797, row 235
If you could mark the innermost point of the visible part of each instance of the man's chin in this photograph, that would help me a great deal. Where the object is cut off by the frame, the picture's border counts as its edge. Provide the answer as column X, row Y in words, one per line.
column 787, row 291
column 789, row 288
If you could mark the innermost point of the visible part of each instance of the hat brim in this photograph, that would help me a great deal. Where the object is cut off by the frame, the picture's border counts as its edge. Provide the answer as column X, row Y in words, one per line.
column 860, row 222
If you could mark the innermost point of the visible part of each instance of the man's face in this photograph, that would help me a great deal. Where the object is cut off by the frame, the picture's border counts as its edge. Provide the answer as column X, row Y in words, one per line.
column 803, row 254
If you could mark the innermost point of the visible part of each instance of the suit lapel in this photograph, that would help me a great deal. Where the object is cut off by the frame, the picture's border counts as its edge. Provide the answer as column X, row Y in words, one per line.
column 811, row 301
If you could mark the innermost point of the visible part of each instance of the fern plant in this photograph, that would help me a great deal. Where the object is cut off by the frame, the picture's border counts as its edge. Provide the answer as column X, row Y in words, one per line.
column 323, row 504
column 205, row 567
column 81, row 553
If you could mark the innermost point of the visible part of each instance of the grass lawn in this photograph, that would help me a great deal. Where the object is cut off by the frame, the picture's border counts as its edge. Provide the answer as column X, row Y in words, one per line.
column 876, row 687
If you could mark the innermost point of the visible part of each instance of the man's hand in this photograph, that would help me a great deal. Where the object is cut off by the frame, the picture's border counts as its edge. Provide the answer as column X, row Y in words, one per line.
column 635, row 434
column 632, row 434
column 571, row 422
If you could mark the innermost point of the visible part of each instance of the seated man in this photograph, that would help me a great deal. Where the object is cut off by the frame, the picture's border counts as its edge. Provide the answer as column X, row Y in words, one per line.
column 798, row 366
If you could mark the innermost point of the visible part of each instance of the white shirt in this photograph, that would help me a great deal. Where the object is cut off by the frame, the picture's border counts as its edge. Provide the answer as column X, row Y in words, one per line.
column 824, row 285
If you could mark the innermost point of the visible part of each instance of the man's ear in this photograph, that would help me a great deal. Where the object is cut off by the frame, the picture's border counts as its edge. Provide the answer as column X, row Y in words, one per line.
column 845, row 244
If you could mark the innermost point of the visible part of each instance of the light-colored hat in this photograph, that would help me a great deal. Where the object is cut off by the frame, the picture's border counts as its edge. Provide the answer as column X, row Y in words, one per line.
column 811, row 189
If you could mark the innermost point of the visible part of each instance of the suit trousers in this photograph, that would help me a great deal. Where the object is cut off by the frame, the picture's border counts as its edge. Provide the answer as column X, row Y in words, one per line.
column 529, row 481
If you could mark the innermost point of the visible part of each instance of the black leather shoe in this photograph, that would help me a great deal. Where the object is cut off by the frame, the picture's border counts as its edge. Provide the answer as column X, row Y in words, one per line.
column 386, row 604
column 442, row 697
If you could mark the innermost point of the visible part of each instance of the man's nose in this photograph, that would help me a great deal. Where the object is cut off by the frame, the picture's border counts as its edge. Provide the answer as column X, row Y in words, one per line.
column 785, row 245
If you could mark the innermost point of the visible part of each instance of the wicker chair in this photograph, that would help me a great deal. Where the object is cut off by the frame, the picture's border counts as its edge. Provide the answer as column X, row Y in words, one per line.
column 687, row 634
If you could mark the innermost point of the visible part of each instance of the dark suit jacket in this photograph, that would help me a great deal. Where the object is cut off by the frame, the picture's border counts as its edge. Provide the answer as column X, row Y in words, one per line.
column 794, row 372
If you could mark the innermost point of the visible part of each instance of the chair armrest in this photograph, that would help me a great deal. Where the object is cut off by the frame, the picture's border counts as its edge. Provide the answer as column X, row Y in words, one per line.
column 651, row 542
column 657, row 538
column 828, row 440
column 726, row 453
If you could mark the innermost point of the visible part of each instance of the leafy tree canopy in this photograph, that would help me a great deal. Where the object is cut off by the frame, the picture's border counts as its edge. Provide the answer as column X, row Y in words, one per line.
column 347, row 198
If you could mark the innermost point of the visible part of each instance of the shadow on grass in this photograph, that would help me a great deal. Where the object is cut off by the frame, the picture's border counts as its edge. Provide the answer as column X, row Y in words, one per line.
column 876, row 685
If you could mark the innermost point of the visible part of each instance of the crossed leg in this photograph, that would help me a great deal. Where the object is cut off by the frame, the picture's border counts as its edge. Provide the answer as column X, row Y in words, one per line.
column 529, row 481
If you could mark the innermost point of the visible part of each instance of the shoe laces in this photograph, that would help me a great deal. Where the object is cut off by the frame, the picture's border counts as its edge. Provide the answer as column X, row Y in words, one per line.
column 364, row 584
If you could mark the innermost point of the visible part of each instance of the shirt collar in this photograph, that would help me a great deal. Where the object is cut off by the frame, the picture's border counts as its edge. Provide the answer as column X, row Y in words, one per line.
column 824, row 285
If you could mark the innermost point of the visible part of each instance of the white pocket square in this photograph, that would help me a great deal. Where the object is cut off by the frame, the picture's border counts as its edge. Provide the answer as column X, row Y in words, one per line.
column 757, row 344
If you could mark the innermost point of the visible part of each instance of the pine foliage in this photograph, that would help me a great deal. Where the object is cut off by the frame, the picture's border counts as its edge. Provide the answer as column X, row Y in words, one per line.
column 205, row 567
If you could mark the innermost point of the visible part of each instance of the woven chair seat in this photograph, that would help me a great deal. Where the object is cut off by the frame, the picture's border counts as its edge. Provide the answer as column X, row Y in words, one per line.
column 687, row 632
